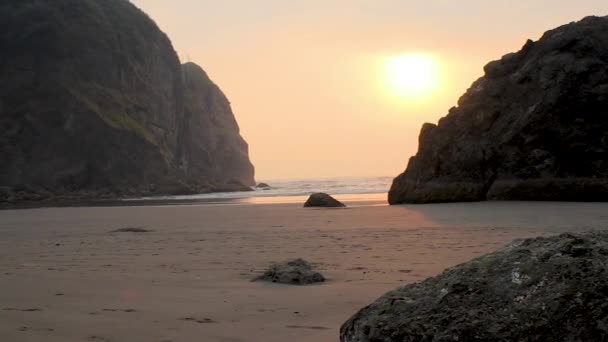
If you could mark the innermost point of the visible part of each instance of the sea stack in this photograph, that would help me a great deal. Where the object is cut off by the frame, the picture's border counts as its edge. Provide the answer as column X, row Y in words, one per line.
column 534, row 127
column 95, row 103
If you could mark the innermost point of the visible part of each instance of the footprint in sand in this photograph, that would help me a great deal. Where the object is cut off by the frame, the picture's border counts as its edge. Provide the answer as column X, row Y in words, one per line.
column 198, row 320
column 358, row 268
column 131, row 230
column 313, row 327
column 22, row 310
column 24, row 328
column 120, row 310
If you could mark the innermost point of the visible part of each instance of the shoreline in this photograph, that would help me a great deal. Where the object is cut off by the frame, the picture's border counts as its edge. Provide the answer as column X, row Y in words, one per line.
column 352, row 199
column 241, row 199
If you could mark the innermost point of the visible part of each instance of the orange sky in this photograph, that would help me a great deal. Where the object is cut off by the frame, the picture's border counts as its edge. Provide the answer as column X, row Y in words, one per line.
column 304, row 76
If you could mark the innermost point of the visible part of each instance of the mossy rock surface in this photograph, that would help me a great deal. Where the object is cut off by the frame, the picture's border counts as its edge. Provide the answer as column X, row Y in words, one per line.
column 94, row 101
column 541, row 289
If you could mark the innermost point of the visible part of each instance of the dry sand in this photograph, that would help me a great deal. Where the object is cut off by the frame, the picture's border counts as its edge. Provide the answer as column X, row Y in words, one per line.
column 66, row 277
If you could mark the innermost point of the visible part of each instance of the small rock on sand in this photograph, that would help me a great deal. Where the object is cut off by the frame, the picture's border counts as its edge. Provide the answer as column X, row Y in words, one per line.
column 323, row 200
column 293, row 272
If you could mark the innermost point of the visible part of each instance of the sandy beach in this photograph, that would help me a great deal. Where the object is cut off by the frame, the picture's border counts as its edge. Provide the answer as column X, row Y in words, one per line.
column 65, row 276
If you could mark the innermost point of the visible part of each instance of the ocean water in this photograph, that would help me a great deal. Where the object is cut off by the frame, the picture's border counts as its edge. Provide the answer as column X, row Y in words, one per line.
column 370, row 189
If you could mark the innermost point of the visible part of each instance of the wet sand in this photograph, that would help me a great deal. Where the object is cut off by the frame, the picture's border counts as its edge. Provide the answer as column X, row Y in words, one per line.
column 65, row 276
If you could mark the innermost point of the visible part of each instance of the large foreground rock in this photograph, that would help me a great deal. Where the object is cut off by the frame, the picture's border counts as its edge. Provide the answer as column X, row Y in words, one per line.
column 535, row 127
column 292, row 272
column 543, row 289
column 323, row 200
column 95, row 103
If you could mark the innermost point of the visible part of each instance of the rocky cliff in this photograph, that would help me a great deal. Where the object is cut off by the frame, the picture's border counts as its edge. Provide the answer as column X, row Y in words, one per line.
column 95, row 103
column 534, row 127
column 211, row 142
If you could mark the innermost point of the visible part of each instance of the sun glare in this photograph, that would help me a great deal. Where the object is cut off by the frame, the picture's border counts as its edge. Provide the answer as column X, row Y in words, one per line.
column 413, row 77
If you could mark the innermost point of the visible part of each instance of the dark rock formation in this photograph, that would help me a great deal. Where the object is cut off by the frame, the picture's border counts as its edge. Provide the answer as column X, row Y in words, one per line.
column 543, row 289
column 533, row 128
column 263, row 186
column 293, row 272
column 94, row 103
column 212, row 143
column 323, row 200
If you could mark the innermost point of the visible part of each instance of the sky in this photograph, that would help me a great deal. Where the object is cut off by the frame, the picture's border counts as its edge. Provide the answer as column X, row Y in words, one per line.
column 308, row 79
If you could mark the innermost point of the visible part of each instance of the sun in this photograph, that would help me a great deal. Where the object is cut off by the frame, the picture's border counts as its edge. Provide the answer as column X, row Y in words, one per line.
column 413, row 77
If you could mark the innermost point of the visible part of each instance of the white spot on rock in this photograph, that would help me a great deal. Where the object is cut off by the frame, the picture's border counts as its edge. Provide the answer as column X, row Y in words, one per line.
column 516, row 277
